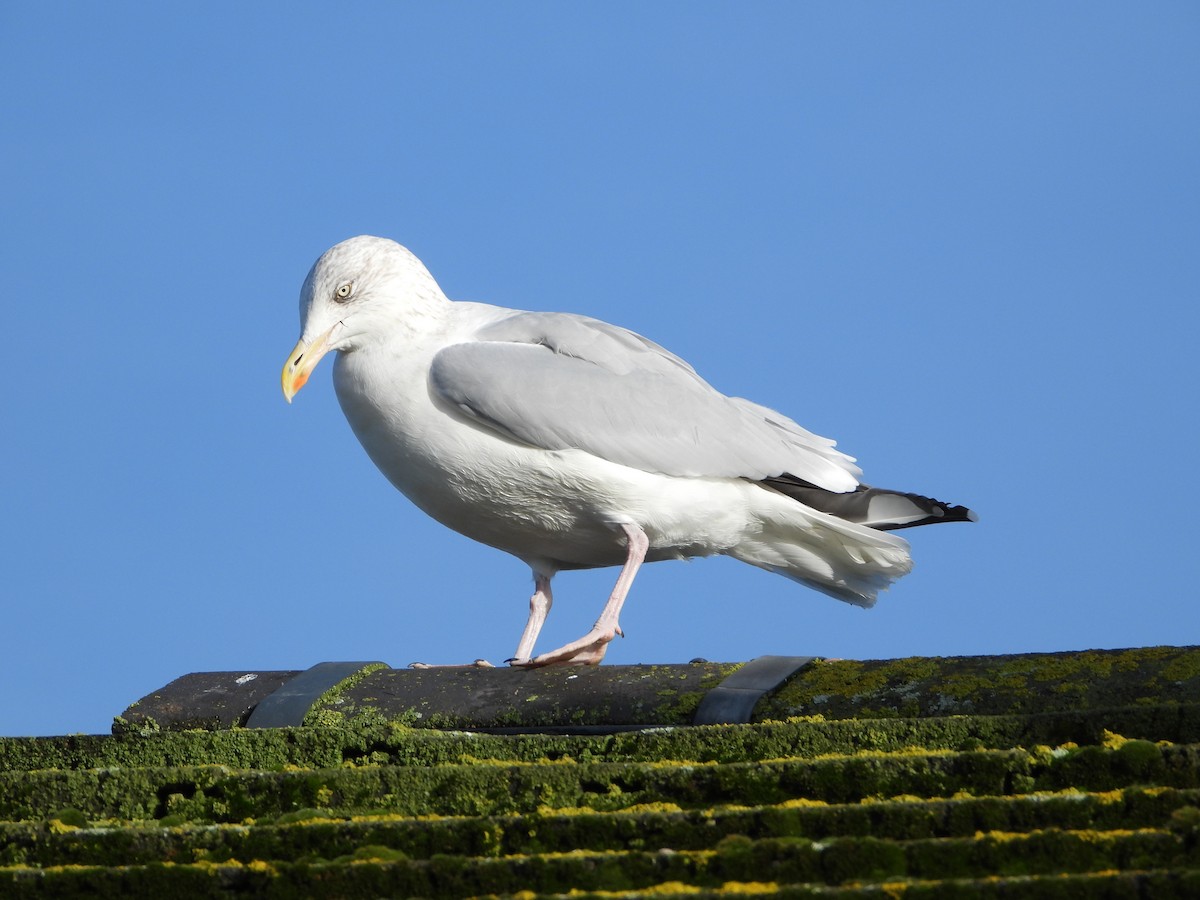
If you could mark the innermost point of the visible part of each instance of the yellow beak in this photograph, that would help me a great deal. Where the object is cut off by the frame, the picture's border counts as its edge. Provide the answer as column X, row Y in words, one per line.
column 301, row 361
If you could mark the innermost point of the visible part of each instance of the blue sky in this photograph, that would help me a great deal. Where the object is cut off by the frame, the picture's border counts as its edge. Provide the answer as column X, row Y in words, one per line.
column 959, row 238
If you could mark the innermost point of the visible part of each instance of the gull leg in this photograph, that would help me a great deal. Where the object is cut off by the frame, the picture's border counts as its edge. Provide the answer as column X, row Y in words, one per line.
column 539, row 608
column 589, row 649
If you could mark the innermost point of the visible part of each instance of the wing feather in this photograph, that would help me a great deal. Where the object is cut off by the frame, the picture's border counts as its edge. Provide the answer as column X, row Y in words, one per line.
column 560, row 381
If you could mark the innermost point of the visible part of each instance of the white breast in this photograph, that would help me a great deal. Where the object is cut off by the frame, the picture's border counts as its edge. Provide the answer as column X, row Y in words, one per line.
column 547, row 506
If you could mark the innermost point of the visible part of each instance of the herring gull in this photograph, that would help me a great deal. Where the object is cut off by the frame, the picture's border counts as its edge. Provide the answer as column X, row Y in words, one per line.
column 571, row 443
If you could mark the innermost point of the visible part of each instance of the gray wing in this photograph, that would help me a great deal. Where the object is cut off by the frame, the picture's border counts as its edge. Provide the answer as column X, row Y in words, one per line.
column 561, row 381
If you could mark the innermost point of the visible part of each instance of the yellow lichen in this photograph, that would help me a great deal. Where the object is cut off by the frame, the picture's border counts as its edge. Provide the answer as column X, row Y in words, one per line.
column 909, row 751
column 1154, row 791
column 1091, row 836
column 632, row 810
column 749, row 887
column 1113, row 741
column 800, row 803
column 667, row 887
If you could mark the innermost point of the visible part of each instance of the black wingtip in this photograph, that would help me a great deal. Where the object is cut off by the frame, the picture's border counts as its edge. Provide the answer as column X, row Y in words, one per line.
column 860, row 505
column 942, row 512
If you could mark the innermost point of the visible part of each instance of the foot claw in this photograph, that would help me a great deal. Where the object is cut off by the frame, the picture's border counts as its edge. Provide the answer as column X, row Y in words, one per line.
column 478, row 664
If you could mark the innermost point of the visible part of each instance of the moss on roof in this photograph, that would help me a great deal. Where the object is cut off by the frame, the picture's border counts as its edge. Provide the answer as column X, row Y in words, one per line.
column 1066, row 796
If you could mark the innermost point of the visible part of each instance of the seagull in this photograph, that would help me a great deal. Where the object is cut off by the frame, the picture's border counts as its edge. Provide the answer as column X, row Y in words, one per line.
column 572, row 444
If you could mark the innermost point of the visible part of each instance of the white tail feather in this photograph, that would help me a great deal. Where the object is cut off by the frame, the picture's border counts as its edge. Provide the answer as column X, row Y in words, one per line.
column 839, row 558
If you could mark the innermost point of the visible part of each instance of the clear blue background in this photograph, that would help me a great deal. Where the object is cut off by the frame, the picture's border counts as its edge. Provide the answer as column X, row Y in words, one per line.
column 960, row 238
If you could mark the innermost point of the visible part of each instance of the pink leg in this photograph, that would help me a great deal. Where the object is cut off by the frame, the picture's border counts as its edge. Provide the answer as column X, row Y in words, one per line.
column 539, row 608
column 589, row 649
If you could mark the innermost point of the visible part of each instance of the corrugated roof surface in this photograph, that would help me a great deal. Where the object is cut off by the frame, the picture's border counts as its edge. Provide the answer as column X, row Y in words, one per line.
column 1066, row 798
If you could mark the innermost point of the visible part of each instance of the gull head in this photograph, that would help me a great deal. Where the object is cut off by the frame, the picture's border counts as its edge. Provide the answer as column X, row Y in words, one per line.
column 362, row 288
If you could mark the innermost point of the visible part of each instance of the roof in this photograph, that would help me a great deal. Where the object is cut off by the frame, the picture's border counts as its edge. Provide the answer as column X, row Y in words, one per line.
column 1073, row 774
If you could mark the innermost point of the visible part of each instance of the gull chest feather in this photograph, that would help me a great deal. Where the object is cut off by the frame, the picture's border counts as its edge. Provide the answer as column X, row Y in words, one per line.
column 519, row 498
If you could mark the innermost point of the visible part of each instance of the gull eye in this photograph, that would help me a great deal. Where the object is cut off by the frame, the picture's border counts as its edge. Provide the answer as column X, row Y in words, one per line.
column 343, row 292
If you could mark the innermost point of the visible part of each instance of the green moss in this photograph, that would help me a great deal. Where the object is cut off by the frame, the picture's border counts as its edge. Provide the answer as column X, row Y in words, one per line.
column 331, row 708
column 583, row 875
column 862, row 859
column 70, row 817
column 307, row 814
column 1140, row 755
column 1181, row 668
column 1020, row 804
column 1186, row 822
column 989, row 685
column 375, row 853
column 681, row 706
column 379, row 744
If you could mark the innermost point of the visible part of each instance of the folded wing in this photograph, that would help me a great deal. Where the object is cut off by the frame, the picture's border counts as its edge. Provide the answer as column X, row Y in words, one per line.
column 560, row 381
